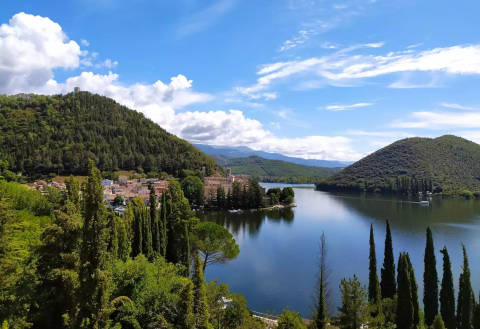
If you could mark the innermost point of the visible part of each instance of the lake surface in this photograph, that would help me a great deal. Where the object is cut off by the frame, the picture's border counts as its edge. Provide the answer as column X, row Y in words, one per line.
column 278, row 262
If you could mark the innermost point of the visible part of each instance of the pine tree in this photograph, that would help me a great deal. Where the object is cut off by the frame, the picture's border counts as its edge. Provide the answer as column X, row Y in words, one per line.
column 200, row 306
column 414, row 292
column 388, row 284
column 154, row 221
column 373, row 284
column 430, row 281
column 163, row 226
column 447, row 295
column 94, row 275
column 405, row 308
column 185, row 317
column 466, row 300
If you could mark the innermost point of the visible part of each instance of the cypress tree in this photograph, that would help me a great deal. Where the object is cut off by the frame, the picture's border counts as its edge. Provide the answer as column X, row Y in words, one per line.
column 405, row 311
column 200, row 306
column 163, row 225
column 94, row 276
column 430, row 281
column 154, row 221
column 466, row 300
column 438, row 322
column 137, row 241
column 321, row 314
column 447, row 295
column 147, row 248
column 388, row 284
column 73, row 191
column 373, row 284
column 414, row 292
column 185, row 318
column 476, row 315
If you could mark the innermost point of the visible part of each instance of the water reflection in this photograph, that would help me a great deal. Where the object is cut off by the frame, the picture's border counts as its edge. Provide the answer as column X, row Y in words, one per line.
column 277, row 264
column 248, row 221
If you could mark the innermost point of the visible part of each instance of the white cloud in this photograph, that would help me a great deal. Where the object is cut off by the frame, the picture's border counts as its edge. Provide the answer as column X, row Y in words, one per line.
column 347, row 107
column 375, row 44
column 343, row 66
column 460, row 107
column 31, row 47
column 387, row 134
column 301, row 37
column 203, row 19
column 472, row 135
column 440, row 120
column 317, row 17
column 85, row 42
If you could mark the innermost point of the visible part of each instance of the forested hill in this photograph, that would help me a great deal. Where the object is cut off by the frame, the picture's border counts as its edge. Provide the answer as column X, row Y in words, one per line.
column 448, row 163
column 275, row 170
column 59, row 134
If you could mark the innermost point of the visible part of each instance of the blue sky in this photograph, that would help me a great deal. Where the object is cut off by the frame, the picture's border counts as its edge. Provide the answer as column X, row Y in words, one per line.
column 318, row 79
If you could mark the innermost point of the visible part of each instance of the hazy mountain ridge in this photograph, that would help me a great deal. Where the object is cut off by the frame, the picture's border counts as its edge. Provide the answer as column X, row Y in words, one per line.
column 243, row 152
column 257, row 166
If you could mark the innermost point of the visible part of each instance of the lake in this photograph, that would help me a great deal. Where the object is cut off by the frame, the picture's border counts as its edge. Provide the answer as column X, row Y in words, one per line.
column 278, row 262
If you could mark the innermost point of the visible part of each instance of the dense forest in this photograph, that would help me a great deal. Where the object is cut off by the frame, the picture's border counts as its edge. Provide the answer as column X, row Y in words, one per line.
column 67, row 261
column 43, row 135
column 275, row 170
column 446, row 164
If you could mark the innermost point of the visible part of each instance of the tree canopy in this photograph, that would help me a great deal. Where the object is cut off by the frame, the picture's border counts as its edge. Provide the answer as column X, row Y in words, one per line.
column 215, row 243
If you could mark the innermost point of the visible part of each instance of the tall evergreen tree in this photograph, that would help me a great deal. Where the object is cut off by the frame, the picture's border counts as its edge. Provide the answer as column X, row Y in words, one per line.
column 373, row 284
column 476, row 315
column 200, row 305
column 154, row 221
column 321, row 312
column 136, row 207
column 179, row 218
column 163, row 226
column 387, row 283
column 447, row 295
column 94, row 275
column 58, row 265
column 405, row 308
column 414, row 292
column 466, row 300
column 430, row 281
column 147, row 242
column 73, row 191
column 185, row 318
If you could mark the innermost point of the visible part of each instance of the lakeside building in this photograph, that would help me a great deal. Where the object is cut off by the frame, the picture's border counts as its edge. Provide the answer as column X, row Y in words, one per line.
column 131, row 188
column 213, row 183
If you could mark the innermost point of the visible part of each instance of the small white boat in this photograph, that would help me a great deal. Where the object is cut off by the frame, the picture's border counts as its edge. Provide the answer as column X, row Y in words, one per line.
column 424, row 203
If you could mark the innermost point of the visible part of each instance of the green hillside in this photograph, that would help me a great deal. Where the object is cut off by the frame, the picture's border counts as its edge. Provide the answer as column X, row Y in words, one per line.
column 275, row 170
column 446, row 164
column 58, row 134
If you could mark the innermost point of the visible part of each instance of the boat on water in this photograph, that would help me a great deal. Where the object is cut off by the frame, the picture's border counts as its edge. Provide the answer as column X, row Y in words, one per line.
column 424, row 203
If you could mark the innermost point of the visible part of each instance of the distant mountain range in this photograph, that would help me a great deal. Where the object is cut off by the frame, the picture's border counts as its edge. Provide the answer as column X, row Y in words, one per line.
column 275, row 170
column 447, row 164
column 243, row 152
